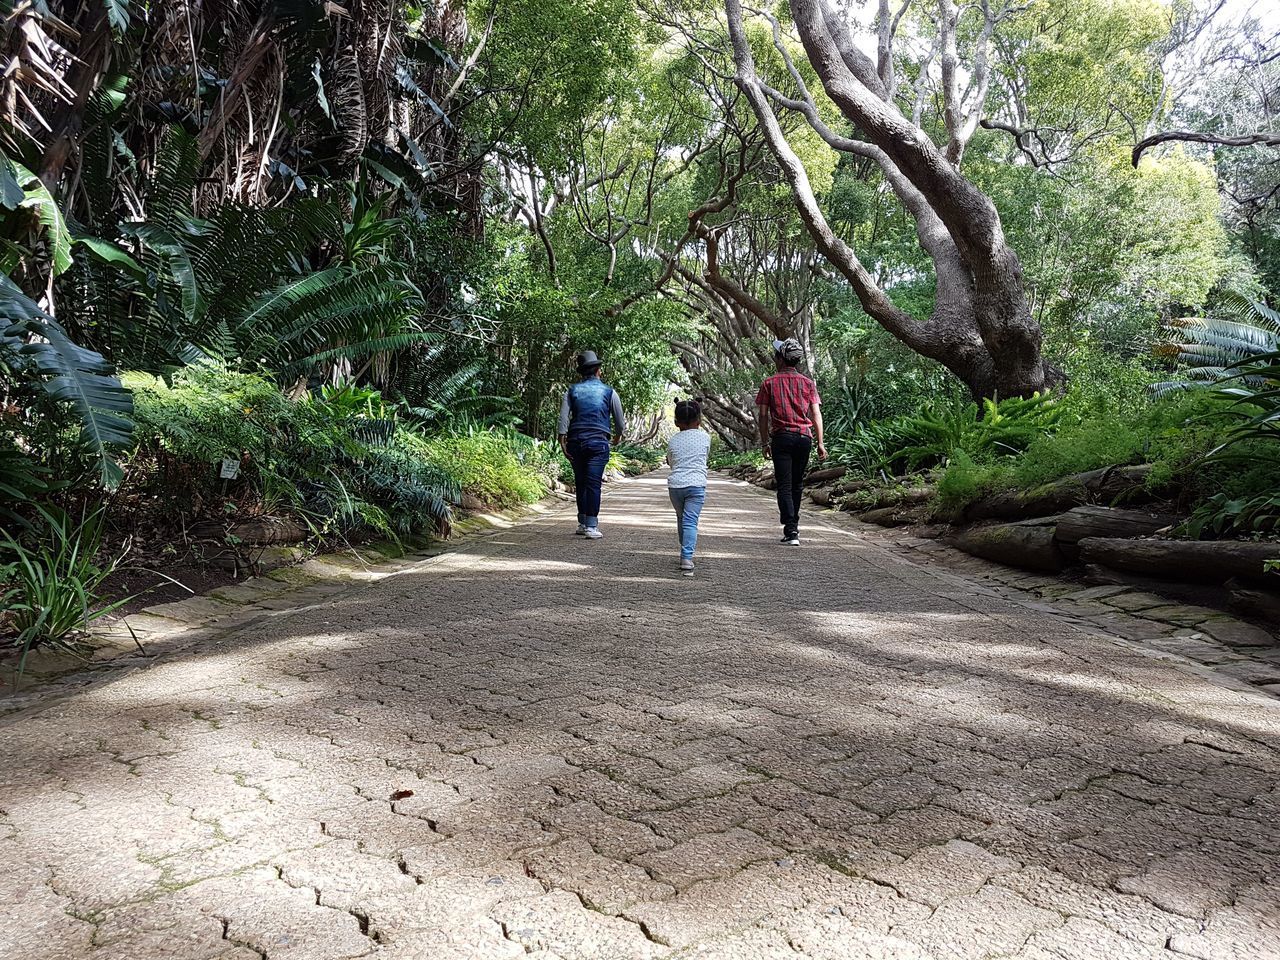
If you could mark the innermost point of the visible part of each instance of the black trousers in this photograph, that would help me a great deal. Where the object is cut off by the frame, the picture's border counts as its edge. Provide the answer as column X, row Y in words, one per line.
column 790, row 461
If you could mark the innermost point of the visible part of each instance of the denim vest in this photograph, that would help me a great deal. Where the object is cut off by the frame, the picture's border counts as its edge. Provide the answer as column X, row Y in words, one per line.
column 590, row 410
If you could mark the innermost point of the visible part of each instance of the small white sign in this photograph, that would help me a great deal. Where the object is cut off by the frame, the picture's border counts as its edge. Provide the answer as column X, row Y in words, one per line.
column 230, row 469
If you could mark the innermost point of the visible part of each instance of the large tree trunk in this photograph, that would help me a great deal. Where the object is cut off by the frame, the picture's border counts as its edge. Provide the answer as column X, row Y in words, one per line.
column 981, row 329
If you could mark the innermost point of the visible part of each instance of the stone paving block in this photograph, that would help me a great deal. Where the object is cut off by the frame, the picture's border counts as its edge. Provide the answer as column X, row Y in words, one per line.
column 1195, row 646
column 620, row 799
column 1184, row 615
column 992, row 922
column 193, row 610
column 751, row 944
column 45, row 926
column 261, row 912
column 1096, row 593
column 715, row 855
column 703, row 780
column 158, row 928
column 733, row 795
column 1248, row 928
column 1132, row 917
column 1252, row 671
column 710, row 908
column 466, row 892
column 836, row 936
column 1136, row 600
column 704, row 815
column 344, row 878
column 908, row 831
column 1080, row 939
column 1238, row 634
column 472, row 938
column 939, row 873
column 253, row 590
column 617, row 837
column 480, row 844
column 602, row 883
column 558, row 922
column 1192, row 882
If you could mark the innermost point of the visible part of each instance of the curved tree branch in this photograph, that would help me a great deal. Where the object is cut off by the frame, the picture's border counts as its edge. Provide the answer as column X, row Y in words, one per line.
column 1260, row 138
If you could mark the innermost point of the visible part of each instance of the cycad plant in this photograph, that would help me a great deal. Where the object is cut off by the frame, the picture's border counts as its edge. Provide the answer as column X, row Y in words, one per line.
column 1239, row 360
column 1212, row 348
column 282, row 290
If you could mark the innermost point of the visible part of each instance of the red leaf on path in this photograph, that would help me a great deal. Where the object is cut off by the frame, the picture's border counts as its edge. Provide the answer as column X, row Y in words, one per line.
column 401, row 795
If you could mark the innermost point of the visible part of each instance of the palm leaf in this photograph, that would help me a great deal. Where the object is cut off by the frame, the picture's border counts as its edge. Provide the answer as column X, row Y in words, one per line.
column 68, row 373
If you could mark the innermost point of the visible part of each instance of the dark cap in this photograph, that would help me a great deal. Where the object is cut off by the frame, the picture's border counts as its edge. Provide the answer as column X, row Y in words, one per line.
column 587, row 361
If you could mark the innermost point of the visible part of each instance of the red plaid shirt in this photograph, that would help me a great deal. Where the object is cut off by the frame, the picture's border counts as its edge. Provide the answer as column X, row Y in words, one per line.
column 789, row 395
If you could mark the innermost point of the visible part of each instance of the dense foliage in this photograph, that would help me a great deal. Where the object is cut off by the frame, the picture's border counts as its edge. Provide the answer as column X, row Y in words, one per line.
column 353, row 249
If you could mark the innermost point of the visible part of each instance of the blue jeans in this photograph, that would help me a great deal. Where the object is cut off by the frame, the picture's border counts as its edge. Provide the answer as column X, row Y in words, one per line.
column 589, row 458
column 688, row 503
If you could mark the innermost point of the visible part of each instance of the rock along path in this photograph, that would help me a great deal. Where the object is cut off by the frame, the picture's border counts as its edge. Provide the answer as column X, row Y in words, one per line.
column 545, row 747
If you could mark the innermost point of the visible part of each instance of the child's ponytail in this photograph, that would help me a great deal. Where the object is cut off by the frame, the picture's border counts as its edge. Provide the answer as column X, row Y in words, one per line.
column 687, row 412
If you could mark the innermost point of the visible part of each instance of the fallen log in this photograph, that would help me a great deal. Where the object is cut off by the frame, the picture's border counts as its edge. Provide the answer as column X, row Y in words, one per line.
column 1091, row 520
column 895, row 516
column 1096, row 486
column 1029, row 545
column 825, row 475
column 893, row 497
column 819, row 495
column 853, row 486
column 256, row 532
column 1201, row 561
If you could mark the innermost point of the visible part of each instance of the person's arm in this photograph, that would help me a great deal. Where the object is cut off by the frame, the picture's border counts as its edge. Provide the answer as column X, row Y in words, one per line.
column 762, row 418
column 563, row 427
column 815, row 413
column 619, row 421
column 762, row 411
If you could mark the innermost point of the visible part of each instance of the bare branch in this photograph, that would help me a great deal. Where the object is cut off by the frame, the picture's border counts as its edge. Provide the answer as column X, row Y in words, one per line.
column 1261, row 138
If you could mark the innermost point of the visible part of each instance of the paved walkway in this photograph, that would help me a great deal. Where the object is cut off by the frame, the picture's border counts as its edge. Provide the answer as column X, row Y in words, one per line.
column 544, row 747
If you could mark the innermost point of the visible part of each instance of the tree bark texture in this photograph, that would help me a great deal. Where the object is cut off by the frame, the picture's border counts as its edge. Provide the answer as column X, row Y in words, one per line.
column 981, row 329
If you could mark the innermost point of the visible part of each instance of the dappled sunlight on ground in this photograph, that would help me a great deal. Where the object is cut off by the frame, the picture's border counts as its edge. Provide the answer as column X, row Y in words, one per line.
column 539, row 746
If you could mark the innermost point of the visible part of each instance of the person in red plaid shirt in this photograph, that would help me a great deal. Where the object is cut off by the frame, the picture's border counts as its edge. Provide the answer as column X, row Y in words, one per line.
column 790, row 424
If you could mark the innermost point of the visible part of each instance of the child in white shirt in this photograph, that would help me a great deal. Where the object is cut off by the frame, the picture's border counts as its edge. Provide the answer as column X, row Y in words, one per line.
column 687, row 454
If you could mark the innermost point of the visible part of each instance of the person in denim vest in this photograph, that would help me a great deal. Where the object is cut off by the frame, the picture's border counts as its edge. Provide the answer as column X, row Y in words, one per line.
column 590, row 416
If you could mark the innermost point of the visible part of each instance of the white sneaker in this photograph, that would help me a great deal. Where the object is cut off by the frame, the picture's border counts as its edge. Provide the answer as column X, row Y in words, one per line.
column 581, row 531
column 592, row 533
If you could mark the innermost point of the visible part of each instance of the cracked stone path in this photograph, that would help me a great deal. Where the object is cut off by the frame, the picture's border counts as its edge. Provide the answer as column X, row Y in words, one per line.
column 551, row 748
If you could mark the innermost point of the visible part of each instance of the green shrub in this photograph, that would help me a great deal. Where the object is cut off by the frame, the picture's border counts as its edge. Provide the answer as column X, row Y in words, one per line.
column 634, row 459
column 342, row 461
column 206, row 413
column 495, row 466
column 943, row 429
column 55, row 581
column 964, row 481
column 722, row 458
column 1170, row 433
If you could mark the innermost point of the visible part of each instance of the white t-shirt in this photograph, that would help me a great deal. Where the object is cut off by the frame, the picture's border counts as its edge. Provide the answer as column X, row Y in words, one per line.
column 687, row 453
